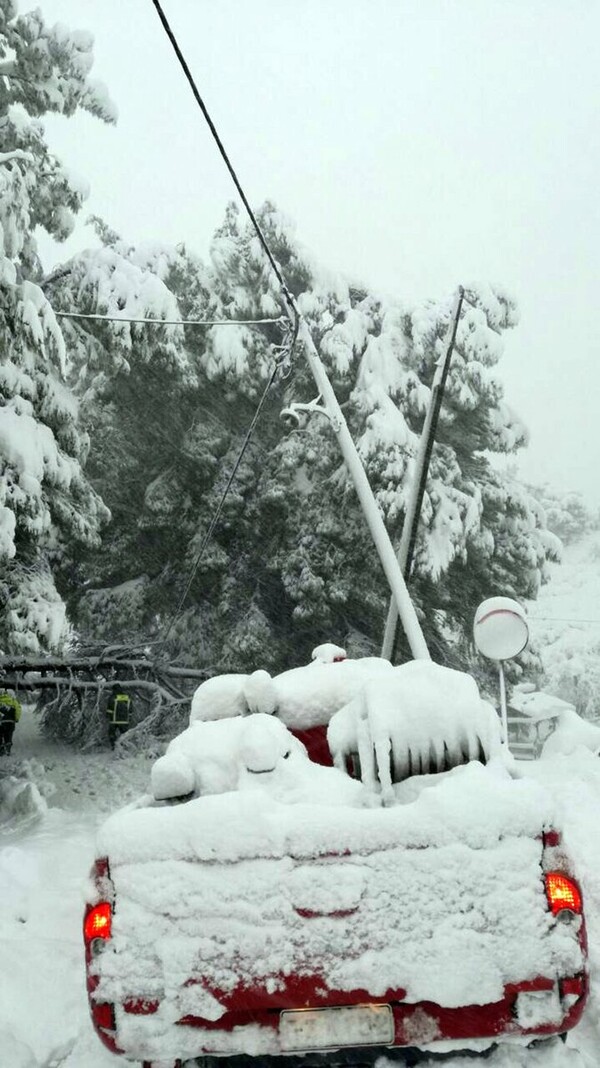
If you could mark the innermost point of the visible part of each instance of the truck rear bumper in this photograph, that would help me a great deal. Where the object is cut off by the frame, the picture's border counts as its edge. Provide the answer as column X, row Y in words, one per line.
column 534, row 1009
column 540, row 1007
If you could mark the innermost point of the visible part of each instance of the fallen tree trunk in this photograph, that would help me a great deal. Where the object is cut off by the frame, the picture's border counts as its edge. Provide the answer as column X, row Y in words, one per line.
column 64, row 682
column 22, row 665
column 72, row 691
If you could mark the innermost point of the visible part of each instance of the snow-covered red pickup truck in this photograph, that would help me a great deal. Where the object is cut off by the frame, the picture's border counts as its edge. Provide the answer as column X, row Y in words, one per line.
column 261, row 904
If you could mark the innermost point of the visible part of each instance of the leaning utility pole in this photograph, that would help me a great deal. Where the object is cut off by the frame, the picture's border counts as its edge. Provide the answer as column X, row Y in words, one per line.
column 408, row 540
column 327, row 404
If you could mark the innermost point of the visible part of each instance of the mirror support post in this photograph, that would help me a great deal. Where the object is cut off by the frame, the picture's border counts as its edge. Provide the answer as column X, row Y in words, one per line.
column 503, row 708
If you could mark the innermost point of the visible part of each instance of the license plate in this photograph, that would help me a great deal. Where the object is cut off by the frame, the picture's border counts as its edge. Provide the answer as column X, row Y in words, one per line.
column 349, row 1025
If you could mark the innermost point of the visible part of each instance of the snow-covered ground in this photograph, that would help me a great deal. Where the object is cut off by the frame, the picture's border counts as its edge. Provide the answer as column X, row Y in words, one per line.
column 45, row 857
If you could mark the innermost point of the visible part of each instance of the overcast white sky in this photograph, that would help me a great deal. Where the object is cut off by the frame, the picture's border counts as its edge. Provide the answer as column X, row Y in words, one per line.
column 416, row 143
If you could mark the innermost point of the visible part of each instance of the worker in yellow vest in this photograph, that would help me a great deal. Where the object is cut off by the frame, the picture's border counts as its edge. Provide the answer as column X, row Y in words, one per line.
column 10, row 714
column 118, row 712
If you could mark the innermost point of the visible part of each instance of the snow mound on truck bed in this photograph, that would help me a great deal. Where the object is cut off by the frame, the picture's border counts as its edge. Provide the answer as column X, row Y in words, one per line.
column 441, row 897
column 302, row 697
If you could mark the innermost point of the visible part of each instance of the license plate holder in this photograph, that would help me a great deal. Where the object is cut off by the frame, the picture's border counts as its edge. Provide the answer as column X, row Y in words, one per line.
column 332, row 1028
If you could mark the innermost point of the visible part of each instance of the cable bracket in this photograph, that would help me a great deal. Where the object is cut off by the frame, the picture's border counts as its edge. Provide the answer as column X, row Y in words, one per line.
column 292, row 414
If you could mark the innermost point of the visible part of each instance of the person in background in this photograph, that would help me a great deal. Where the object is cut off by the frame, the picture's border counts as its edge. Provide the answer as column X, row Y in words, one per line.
column 10, row 714
column 118, row 711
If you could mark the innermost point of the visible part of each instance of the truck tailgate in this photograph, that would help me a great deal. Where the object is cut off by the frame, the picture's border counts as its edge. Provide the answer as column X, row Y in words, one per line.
column 235, row 903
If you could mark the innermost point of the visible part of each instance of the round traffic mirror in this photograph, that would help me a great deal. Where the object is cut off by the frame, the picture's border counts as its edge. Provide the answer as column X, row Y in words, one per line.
column 500, row 629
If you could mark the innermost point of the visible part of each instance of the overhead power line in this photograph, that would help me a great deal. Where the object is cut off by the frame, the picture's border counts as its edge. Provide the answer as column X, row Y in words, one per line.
column 168, row 322
column 287, row 350
column 220, row 145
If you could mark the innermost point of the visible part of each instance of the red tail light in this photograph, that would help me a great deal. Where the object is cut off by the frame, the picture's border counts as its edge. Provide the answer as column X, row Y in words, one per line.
column 98, row 922
column 562, row 893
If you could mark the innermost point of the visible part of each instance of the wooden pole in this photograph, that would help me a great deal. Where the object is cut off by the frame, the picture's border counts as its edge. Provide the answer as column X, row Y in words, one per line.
column 408, row 540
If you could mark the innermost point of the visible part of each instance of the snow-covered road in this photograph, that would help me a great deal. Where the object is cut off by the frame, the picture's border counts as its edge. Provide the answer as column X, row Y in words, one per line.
column 44, row 860
column 45, row 857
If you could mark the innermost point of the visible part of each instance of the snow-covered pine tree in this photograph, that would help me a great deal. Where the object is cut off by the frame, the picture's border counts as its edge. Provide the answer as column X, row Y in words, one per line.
column 567, row 514
column 44, row 496
column 565, row 620
column 166, row 418
column 481, row 531
column 291, row 562
column 134, row 383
